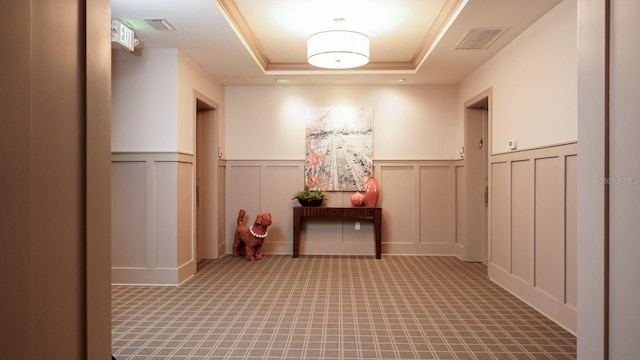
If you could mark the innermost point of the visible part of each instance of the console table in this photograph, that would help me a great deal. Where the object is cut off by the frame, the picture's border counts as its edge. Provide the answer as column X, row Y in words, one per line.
column 300, row 212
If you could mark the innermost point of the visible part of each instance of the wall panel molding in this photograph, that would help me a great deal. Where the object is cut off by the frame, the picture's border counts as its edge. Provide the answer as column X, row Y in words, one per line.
column 409, row 198
column 460, row 214
column 258, row 186
column 533, row 228
column 153, row 241
column 421, row 216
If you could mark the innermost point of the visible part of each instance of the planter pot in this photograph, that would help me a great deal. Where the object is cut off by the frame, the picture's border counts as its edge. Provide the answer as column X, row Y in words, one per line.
column 310, row 202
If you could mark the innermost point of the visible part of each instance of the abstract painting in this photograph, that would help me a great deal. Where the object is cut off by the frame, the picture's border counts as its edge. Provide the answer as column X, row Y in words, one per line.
column 338, row 147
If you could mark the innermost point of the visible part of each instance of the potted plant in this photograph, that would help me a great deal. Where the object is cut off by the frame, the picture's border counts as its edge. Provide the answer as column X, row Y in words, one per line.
column 309, row 197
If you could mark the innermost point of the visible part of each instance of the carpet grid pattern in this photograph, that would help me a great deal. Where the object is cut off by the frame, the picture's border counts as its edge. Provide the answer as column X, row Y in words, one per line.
column 333, row 307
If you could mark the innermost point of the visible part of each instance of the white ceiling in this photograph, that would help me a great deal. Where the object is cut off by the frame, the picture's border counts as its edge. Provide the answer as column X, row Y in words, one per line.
column 260, row 42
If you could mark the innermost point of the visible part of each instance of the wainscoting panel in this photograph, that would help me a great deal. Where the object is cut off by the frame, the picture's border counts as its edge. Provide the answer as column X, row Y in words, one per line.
column 221, row 209
column 279, row 182
column 411, row 193
column 258, row 186
column 398, row 196
column 248, row 179
column 549, row 228
column 185, row 215
column 166, row 211
column 571, row 211
column 500, row 226
column 533, row 228
column 435, row 205
column 129, row 214
column 153, row 218
column 521, row 220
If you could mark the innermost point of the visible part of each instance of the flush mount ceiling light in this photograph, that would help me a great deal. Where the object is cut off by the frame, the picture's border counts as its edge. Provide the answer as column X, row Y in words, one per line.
column 338, row 49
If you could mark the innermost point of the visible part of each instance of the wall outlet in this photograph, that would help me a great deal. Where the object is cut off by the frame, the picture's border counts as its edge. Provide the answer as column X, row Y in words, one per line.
column 357, row 225
column 513, row 144
column 219, row 152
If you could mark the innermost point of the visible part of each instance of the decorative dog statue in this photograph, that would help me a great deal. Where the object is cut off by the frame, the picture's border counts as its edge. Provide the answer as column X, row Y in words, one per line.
column 247, row 241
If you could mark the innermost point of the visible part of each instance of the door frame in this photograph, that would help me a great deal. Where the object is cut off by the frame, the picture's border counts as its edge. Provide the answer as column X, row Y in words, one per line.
column 477, row 218
column 206, row 187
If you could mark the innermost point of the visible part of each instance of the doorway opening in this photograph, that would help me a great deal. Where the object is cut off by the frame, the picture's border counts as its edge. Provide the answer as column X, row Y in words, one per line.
column 208, row 190
column 477, row 124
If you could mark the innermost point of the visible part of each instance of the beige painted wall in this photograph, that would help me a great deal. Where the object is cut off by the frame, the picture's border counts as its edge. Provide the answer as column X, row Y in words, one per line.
column 533, row 81
column 154, row 101
column 144, row 104
column 624, row 181
column 192, row 78
column 410, row 122
column 154, row 115
column 533, row 100
column 590, row 214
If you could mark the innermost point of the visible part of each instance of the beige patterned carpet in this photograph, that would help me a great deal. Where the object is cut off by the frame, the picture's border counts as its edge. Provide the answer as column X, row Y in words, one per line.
column 333, row 307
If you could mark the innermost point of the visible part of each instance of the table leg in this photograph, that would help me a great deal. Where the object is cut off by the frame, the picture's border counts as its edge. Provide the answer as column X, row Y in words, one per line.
column 297, row 227
column 377, row 225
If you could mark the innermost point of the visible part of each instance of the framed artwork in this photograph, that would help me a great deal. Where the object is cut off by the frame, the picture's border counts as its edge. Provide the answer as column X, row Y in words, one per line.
column 338, row 147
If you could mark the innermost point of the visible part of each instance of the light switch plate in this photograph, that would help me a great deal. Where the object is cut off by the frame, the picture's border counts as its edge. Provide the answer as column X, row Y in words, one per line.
column 513, row 144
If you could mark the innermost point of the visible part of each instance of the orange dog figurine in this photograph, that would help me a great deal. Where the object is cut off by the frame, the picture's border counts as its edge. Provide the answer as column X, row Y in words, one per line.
column 247, row 241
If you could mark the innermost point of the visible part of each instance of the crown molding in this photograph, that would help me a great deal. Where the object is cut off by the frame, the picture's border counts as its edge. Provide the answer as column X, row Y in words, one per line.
column 448, row 13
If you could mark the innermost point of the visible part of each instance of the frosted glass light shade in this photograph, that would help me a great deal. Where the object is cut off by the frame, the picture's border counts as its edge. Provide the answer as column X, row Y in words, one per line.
column 338, row 49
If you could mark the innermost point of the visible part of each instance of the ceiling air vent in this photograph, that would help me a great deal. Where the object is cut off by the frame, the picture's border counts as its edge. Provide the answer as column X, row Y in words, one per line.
column 160, row 24
column 479, row 38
